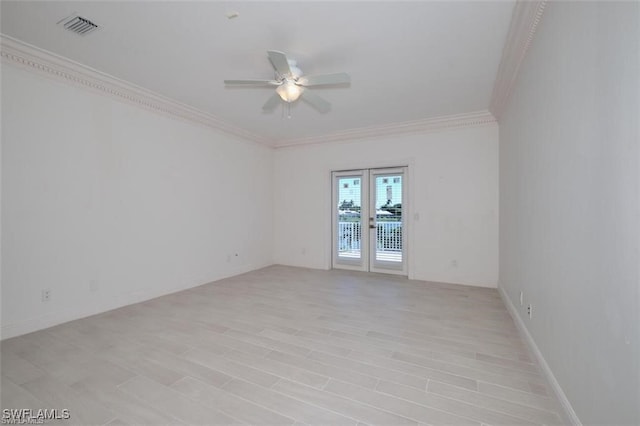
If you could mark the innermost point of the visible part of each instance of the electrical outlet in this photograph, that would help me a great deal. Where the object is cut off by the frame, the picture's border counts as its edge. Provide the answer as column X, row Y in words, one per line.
column 529, row 310
column 46, row 294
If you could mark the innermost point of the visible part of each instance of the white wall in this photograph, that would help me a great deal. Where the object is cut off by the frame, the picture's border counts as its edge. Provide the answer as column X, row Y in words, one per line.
column 453, row 186
column 107, row 204
column 569, row 203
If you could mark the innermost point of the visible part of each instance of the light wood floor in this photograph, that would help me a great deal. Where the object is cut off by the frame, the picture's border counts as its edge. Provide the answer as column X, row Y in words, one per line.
column 287, row 345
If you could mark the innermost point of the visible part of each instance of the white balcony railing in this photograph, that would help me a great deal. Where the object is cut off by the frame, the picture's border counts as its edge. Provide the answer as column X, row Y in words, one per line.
column 388, row 240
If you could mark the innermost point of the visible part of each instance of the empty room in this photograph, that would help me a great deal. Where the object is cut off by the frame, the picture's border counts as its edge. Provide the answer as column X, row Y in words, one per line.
column 320, row 212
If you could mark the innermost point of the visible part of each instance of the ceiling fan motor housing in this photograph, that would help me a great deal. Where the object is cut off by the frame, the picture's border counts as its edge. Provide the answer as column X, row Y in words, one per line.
column 293, row 67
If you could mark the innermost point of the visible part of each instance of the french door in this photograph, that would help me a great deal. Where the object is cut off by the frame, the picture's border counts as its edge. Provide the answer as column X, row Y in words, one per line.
column 369, row 220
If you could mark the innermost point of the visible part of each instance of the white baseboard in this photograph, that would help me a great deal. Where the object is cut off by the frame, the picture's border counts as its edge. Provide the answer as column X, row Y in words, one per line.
column 118, row 301
column 524, row 332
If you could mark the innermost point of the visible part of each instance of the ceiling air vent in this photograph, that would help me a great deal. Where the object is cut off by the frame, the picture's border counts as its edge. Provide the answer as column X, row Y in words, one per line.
column 78, row 24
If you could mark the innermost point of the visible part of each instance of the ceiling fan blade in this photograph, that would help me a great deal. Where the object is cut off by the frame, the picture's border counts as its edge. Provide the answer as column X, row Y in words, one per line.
column 251, row 82
column 271, row 103
column 321, row 79
column 316, row 101
column 280, row 63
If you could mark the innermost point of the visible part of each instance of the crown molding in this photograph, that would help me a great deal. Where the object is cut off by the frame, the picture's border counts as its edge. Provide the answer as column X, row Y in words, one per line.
column 472, row 119
column 524, row 22
column 24, row 55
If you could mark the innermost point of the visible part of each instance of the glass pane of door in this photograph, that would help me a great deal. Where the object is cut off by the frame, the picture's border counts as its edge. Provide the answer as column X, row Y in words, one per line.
column 387, row 197
column 350, row 248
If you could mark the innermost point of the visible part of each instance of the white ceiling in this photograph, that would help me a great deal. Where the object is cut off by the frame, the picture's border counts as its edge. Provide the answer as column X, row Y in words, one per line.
column 407, row 60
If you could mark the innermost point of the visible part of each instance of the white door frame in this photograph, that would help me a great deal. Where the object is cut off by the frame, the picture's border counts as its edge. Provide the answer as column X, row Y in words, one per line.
column 376, row 265
column 360, row 264
column 367, row 261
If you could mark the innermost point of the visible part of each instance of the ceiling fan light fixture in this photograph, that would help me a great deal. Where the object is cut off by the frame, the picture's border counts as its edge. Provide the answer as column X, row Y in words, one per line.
column 289, row 91
column 291, row 83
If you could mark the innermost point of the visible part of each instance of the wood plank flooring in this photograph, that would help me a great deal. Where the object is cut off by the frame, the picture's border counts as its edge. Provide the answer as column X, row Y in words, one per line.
column 285, row 345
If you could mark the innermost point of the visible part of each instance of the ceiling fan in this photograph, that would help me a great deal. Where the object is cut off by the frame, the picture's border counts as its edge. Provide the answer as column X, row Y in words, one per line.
column 292, row 85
